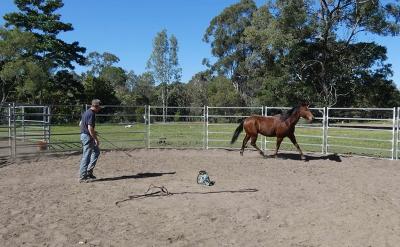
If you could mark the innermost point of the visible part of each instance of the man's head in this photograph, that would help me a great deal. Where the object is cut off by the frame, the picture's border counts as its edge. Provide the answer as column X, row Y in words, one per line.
column 96, row 105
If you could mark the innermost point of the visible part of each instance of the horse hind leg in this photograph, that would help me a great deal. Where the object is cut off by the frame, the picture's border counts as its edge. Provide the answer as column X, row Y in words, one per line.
column 254, row 144
column 245, row 140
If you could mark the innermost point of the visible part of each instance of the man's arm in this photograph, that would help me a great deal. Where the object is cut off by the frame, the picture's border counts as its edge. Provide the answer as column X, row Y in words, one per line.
column 93, row 134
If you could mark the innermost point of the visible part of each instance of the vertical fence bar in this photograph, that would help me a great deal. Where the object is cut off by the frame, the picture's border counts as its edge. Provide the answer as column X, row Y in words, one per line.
column 14, row 140
column 265, row 139
column 324, row 131
column 262, row 136
column 397, row 133
column 9, row 130
column 327, row 131
column 23, row 122
column 393, row 133
column 204, row 128
column 207, row 127
column 148, row 126
column 44, row 110
column 48, row 126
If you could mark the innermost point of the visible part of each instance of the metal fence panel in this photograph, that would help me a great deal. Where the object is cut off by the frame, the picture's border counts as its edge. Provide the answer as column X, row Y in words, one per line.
column 32, row 129
column 361, row 131
column 222, row 122
column 176, row 127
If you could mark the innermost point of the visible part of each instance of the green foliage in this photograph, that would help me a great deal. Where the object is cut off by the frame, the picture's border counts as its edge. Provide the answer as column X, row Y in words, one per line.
column 22, row 76
column 290, row 50
column 39, row 18
column 222, row 93
column 98, row 88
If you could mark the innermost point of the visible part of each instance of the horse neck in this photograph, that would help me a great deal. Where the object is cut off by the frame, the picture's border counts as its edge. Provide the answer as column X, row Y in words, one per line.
column 293, row 119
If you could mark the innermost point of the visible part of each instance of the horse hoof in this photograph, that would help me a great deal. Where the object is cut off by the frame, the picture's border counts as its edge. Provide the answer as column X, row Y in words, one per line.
column 241, row 153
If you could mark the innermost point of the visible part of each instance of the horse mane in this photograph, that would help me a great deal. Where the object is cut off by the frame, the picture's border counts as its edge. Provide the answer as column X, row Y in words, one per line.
column 287, row 114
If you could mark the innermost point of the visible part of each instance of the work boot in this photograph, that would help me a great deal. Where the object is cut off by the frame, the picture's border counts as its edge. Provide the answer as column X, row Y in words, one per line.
column 90, row 175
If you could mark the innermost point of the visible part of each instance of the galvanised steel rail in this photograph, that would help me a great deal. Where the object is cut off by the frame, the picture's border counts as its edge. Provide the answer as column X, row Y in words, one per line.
column 361, row 131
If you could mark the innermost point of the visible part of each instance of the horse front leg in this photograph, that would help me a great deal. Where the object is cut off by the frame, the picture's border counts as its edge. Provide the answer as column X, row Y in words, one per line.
column 278, row 144
column 293, row 139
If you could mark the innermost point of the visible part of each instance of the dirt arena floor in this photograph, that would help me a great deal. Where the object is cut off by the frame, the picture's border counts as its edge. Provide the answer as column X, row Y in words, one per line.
column 327, row 201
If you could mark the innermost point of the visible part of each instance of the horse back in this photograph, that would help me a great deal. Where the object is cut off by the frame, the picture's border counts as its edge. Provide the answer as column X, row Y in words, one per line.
column 266, row 126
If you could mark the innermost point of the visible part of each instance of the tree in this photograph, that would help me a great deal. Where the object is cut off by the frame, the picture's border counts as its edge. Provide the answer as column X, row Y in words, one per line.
column 21, row 75
column 225, row 33
column 163, row 64
column 222, row 93
column 66, row 89
column 288, row 50
column 331, row 67
column 197, row 88
column 102, row 66
column 98, row 62
column 97, row 88
column 39, row 18
column 144, row 89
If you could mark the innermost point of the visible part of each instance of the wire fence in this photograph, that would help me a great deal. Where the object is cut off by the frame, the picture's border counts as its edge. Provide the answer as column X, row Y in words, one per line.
column 33, row 129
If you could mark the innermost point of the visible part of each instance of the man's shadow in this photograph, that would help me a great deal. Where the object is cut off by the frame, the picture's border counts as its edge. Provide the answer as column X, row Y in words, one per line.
column 293, row 156
column 139, row 175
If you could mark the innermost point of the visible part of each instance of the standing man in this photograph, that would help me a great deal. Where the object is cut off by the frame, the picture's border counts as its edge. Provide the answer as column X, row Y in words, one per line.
column 90, row 142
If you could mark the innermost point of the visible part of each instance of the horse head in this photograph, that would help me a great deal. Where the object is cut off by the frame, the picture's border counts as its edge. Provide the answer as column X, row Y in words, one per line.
column 304, row 110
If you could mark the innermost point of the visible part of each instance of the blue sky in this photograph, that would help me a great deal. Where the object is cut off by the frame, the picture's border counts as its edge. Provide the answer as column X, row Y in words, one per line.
column 127, row 28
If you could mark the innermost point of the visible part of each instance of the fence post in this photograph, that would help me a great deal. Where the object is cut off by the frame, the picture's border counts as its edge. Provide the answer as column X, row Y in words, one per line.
column 265, row 139
column 394, row 149
column 14, row 132
column 326, row 129
column 9, row 130
column 204, row 128
column 48, row 127
column 397, row 133
column 207, row 127
column 262, row 136
column 23, row 123
column 148, row 125
column 323, row 128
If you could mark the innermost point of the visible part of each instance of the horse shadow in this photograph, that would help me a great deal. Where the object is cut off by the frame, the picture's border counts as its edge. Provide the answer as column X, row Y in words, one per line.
column 293, row 156
column 135, row 176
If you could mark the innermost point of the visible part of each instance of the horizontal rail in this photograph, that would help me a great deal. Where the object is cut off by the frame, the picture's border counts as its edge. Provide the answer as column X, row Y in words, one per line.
column 364, row 109
column 361, row 139
column 177, row 116
column 363, row 129
column 361, row 119
column 357, row 147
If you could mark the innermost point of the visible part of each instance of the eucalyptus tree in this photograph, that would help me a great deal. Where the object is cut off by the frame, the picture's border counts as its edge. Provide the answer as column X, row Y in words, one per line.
column 287, row 50
column 164, row 65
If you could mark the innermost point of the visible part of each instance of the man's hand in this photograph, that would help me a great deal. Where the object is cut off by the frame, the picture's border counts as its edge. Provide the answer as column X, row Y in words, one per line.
column 96, row 142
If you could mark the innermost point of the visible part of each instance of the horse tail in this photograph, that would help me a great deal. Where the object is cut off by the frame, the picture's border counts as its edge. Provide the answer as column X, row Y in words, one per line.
column 237, row 132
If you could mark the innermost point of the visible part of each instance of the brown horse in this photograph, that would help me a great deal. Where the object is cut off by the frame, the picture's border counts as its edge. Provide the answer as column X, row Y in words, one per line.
column 281, row 126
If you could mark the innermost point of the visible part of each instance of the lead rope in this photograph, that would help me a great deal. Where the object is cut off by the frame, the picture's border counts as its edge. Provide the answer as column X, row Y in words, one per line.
column 162, row 191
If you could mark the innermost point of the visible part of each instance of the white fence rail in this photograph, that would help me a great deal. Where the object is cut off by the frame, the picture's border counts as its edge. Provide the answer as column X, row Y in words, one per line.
column 370, row 132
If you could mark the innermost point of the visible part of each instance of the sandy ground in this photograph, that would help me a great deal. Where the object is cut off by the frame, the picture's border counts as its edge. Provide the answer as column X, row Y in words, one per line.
column 328, row 201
